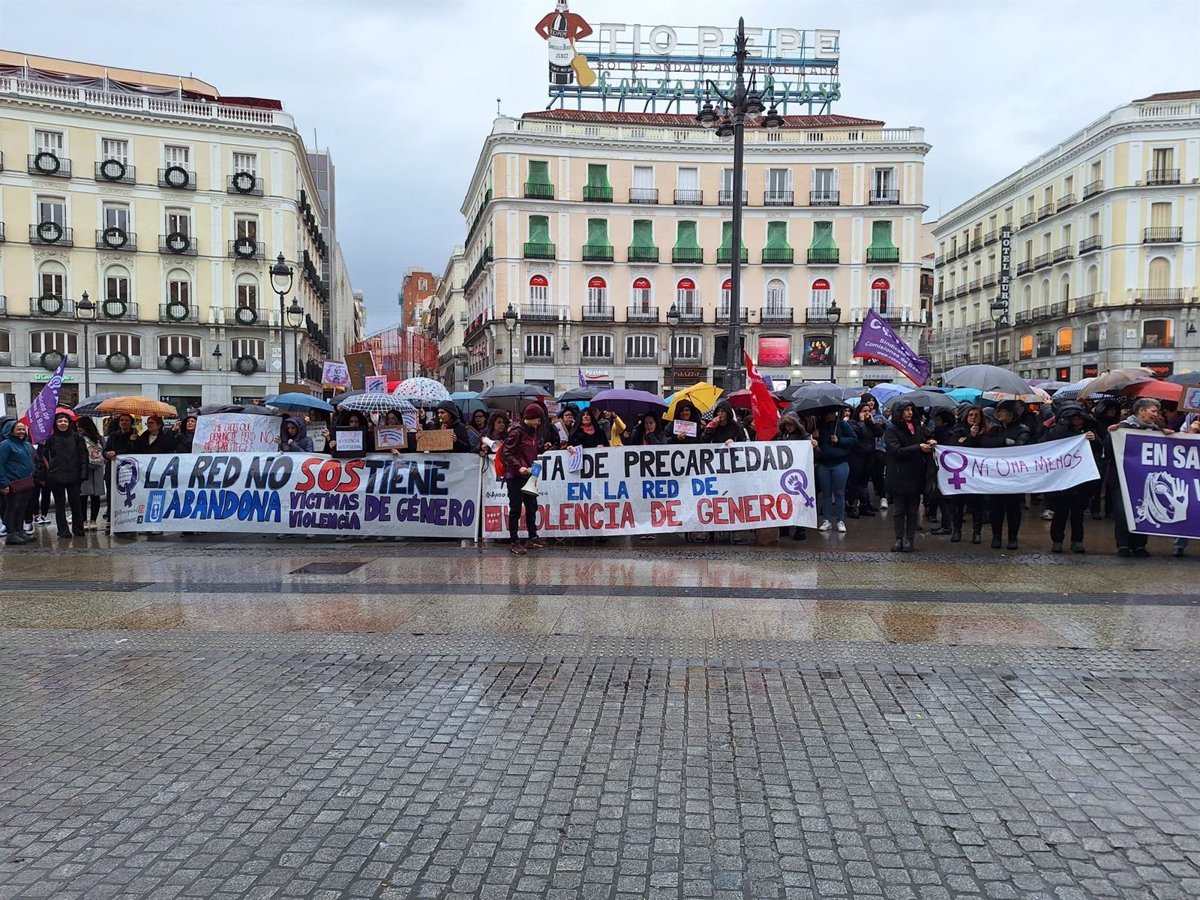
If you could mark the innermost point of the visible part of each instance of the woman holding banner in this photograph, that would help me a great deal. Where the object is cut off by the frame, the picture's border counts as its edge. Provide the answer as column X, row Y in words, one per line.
column 908, row 452
column 1071, row 421
column 972, row 426
column 154, row 439
column 16, row 479
column 1145, row 417
column 1008, row 433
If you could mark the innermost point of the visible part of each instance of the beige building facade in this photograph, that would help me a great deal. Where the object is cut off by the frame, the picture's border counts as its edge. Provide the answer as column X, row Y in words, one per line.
column 1104, row 271
column 167, row 204
column 593, row 225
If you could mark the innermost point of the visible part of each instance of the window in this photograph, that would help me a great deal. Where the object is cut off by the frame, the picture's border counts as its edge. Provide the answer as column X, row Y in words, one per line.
column 179, row 220
column 179, row 343
column 1066, row 340
column 776, row 300
column 1160, row 274
column 179, row 287
column 688, row 180
column 1163, row 158
column 1044, row 298
column 1160, row 215
column 246, row 226
column 114, row 148
column 1066, row 236
column 177, row 155
column 726, row 295
column 881, row 291
column 687, row 346
column 641, row 346
column 247, row 293
column 246, row 162
column 687, row 301
column 643, row 185
column 116, row 215
column 52, row 280
column 1068, row 185
column 1064, row 288
column 642, row 294
column 779, row 180
column 129, row 344
column 52, row 209
column 597, row 294
column 597, row 346
column 539, row 346
column 539, row 292
column 883, row 182
column 819, row 297
column 1027, row 298
column 63, row 342
column 1097, row 171
column 48, row 142
column 251, row 347
column 1094, row 225
column 1158, row 333
column 116, row 284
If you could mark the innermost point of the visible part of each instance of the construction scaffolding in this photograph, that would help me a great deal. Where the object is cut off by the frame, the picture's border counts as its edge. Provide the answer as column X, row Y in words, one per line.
column 401, row 353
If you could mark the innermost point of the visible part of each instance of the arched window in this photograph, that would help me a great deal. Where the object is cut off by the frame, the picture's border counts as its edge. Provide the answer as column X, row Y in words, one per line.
column 881, row 295
column 539, row 294
column 686, row 297
column 116, row 283
column 1027, row 299
column 776, row 299
column 179, row 288
column 726, row 295
column 1066, row 340
column 1093, row 279
column 246, row 292
column 1044, row 299
column 597, row 294
column 52, row 280
column 643, row 295
column 1160, row 274
column 820, row 296
column 1064, row 288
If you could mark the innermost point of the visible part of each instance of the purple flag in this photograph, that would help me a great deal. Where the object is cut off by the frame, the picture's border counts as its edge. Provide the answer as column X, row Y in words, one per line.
column 582, row 380
column 879, row 341
column 41, row 410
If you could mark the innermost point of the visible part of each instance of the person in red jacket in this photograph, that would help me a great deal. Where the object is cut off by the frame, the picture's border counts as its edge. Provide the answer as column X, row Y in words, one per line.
column 518, row 455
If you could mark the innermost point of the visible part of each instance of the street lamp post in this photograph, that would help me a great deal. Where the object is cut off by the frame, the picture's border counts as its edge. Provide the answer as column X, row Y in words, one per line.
column 834, row 315
column 295, row 314
column 85, row 311
column 510, row 322
column 281, row 283
column 672, row 323
column 730, row 121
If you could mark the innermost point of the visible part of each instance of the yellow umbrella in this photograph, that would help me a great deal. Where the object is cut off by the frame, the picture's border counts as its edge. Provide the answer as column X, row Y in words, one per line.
column 701, row 395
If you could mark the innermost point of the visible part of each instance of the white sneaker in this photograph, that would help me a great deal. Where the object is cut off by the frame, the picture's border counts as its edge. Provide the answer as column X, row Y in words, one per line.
column 883, row 502
column 1048, row 514
column 841, row 527
column 825, row 526
column 3, row 530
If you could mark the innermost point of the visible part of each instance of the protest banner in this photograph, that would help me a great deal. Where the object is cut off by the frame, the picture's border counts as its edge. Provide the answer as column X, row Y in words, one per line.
column 878, row 340
column 657, row 490
column 360, row 366
column 233, row 433
column 375, row 384
column 1032, row 469
column 1191, row 398
column 436, row 441
column 335, row 374
column 387, row 438
column 297, row 493
column 1160, row 481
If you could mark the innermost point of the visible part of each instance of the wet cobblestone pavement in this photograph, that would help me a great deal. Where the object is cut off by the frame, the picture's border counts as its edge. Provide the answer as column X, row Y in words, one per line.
column 209, row 719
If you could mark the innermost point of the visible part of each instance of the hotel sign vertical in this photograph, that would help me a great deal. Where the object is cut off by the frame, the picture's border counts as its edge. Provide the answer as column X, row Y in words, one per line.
column 1000, row 304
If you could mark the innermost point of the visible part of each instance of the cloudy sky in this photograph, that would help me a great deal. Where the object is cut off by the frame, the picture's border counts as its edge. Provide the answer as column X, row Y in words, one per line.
column 403, row 92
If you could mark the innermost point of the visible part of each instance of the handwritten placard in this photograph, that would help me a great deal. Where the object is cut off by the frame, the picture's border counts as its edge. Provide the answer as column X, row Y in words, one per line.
column 349, row 440
column 233, row 433
column 435, row 441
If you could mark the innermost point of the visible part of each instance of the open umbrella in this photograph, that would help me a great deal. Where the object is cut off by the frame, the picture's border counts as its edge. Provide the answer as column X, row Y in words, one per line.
column 628, row 403
column 808, row 389
column 132, row 405
column 701, row 395
column 512, row 397
column 373, row 402
column 889, row 389
column 87, row 406
column 741, row 399
column 468, row 403
column 1073, row 390
column 1050, row 387
column 1115, row 379
column 294, row 401
column 986, row 378
column 424, row 392
column 1158, row 390
column 965, row 395
column 815, row 405
column 237, row 409
column 925, row 399
column 1192, row 378
column 1031, row 395
column 578, row 395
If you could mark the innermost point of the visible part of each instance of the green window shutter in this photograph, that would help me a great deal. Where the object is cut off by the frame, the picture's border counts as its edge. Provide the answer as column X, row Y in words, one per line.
column 597, row 175
column 822, row 236
column 539, row 171
column 777, row 236
column 881, row 236
column 643, row 233
column 727, row 237
column 685, row 236
column 539, row 230
column 597, row 233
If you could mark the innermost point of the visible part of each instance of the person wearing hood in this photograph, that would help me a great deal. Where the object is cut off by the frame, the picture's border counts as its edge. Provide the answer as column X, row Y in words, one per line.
column 185, row 436
column 449, row 419
column 1071, row 421
column 649, row 431
column 294, row 437
column 91, row 491
column 685, row 411
column 65, row 455
column 16, row 478
column 909, row 449
column 1008, row 433
column 518, row 454
column 724, row 427
column 1145, row 416
column 836, row 440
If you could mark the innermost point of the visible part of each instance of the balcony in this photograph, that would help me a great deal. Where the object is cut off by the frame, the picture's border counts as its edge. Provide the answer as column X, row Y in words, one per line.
column 1046, row 211
column 1159, row 295
column 178, row 363
column 477, row 270
column 591, row 359
column 689, row 198
column 776, row 315
column 961, row 290
column 178, row 312
column 1025, row 354
column 1088, row 244
column 177, row 244
column 725, row 255
column 116, row 171
column 1168, row 235
column 1059, row 308
column 989, row 280
column 1039, row 313
column 938, row 260
column 1022, row 318
column 51, row 306
column 1066, row 201
column 536, row 190
column 538, row 250
column 725, row 198
column 115, row 309
column 1091, row 190
column 778, row 198
column 1091, row 345
column 1024, row 266
column 1085, row 302
column 1043, row 259
column 778, row 256
column 723, row 315
column 479, row 214
column 643, row 195
column 177, row 177
column 1046, row 349
column 1162, row 176
column 973, row 285
column 244, row 315
column 824, row 198
column 539, row 312
column 884, row 198
column 593, row 312
column 49, row 165
column 883, row 254
column 1063, row 350
column 246, row 248
column 991, row 237
column 1003, row 358
column 51, row 234
column 597, row 253
column 539, row 357
column 689, row 315
column 1063, row 253
column 817, row 315
column 641, row 314
column 642, row 254
column 977, row 243
column 824, row 257
column 1028, row 219
column 596, row 194
column 1156, row 341
column 687, row 255
column 245, row 184
column 115, row 239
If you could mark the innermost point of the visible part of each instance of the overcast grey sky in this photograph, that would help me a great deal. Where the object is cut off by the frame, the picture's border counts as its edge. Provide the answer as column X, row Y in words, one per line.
column 403, row 92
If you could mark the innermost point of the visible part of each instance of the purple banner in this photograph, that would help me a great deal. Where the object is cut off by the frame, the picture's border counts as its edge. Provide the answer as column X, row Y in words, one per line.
column 1160, row 482
column 41, row 410
column 879, row 341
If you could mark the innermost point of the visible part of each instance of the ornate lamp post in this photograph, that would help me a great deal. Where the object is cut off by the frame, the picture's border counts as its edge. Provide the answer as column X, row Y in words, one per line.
column 730, row 121
column 85, row 311
column 672, row 323
column 834, row 315
column 281, row 282
column 295, row 316
column 510, row 322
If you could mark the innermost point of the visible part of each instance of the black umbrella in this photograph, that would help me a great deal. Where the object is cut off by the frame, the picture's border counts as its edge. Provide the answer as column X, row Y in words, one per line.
column 241, row 409
column 512, row 397
column 579, row 393
column 807, row 389
column 87, row 406
column 808, row 406
column 922, row 399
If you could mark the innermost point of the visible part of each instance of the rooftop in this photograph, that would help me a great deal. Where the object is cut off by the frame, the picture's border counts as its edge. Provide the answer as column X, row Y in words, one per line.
column 1170, row 95
column 681, row 120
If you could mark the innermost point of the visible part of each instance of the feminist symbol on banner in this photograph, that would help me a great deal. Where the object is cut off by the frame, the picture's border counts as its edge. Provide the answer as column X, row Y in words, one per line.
column 1164, row 500
column 127, row 478
column 795, row 482
column 957, row 479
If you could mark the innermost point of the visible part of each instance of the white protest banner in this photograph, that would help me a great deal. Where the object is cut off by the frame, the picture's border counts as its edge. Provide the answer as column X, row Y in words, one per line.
column 234, row 433
column 298, row 493
column 335, row 374
column 1029, row 469
column 653, row 490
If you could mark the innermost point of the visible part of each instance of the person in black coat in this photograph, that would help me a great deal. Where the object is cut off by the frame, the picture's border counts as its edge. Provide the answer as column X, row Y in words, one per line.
column 450, row 419
column 908, row 453
column 155, row 439
column 862, row 462
column 66, row 465
column 1071, row 421
column 724, row 427
column 972, row 425
column 649, row 431
column 1009, row 433
column 590, row 434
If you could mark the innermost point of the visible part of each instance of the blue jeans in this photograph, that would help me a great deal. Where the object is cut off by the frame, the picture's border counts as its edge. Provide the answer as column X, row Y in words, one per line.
column 831, row 481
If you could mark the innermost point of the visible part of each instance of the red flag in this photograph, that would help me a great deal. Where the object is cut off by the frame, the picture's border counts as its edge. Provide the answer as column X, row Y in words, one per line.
column 762, row 404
